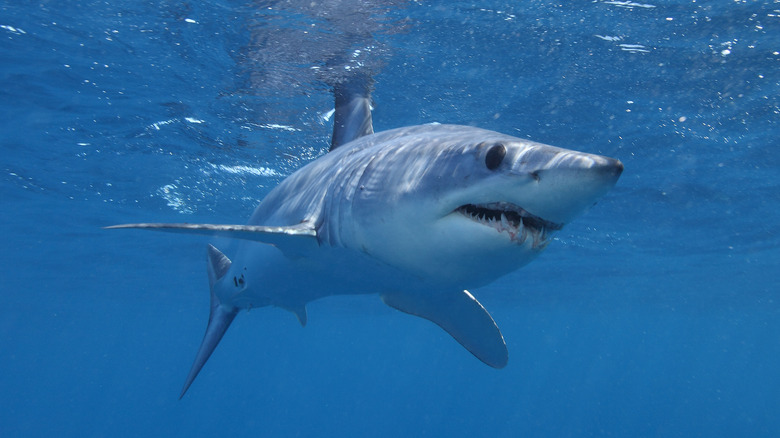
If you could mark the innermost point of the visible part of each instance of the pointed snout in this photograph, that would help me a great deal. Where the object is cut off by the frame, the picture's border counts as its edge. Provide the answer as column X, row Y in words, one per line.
column 610, row 169
column 570, row 185
column 592, row 170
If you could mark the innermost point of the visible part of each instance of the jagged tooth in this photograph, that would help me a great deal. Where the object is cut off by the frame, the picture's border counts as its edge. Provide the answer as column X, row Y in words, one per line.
column 504, row 223
column 523, row 234
column 535, row 236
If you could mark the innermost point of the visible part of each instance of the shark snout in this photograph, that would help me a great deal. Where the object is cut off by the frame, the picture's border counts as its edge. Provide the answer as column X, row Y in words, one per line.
column 609, row 169
column 595, row 180
column 613, row 167
column 565, row 190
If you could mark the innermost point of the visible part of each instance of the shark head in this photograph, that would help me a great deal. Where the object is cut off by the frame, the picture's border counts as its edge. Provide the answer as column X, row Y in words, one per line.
column 468, row 205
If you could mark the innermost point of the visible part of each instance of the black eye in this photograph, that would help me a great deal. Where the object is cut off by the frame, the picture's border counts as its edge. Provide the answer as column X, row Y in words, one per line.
column 495, row 155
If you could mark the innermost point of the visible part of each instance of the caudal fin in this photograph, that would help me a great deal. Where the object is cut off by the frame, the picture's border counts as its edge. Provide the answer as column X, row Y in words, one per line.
column 220, row 316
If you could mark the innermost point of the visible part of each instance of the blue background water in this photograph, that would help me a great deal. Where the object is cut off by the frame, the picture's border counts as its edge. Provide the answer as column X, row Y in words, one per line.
column 656, row 313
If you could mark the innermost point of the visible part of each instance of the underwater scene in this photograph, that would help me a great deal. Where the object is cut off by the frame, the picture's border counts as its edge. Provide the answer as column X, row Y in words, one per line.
column 654, row 312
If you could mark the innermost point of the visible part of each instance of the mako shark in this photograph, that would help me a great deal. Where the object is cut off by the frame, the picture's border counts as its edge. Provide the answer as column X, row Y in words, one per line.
column 419, row 215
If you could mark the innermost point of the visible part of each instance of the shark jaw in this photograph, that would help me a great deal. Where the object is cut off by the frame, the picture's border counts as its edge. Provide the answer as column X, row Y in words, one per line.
column 516, row 222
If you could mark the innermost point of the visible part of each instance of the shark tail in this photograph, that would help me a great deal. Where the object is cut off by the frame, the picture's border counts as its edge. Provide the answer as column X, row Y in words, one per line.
column 220, row 316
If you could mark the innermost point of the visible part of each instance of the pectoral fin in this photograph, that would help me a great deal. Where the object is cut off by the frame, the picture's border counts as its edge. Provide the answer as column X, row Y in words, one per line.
column 292, row 240
column 460, row 315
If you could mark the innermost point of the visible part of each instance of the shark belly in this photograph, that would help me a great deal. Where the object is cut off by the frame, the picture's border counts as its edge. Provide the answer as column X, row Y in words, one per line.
column 261, row 275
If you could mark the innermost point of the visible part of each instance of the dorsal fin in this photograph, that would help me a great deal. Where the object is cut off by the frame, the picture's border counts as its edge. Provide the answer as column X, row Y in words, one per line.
column 352, row 118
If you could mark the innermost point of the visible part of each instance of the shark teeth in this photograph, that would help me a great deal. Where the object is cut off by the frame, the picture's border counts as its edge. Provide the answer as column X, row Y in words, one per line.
column 513, row 220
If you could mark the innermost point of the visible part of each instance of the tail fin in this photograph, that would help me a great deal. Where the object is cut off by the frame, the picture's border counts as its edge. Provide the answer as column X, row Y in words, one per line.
column 220, row 316
column 352, row 117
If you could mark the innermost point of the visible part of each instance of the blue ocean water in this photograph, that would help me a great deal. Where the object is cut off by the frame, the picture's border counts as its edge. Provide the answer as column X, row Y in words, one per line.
column 654, row 314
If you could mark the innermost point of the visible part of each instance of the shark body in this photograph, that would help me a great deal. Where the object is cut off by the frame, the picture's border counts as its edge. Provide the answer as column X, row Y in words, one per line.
column 418, row 215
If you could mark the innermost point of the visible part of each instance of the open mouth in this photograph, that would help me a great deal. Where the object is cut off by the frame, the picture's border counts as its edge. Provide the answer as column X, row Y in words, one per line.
column 512, row 219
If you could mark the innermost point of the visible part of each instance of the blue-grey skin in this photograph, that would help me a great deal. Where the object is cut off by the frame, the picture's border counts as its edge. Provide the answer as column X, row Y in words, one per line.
column 416, row 214
column 393, row 195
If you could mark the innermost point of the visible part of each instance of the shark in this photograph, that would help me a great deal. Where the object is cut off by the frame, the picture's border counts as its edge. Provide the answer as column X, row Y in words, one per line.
column 420, row 215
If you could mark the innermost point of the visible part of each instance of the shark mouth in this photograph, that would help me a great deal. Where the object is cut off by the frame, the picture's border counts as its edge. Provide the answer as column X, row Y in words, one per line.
column 512, row 219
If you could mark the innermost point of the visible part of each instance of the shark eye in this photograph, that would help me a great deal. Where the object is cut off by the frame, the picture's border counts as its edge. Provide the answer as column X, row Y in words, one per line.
column 495, row 155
